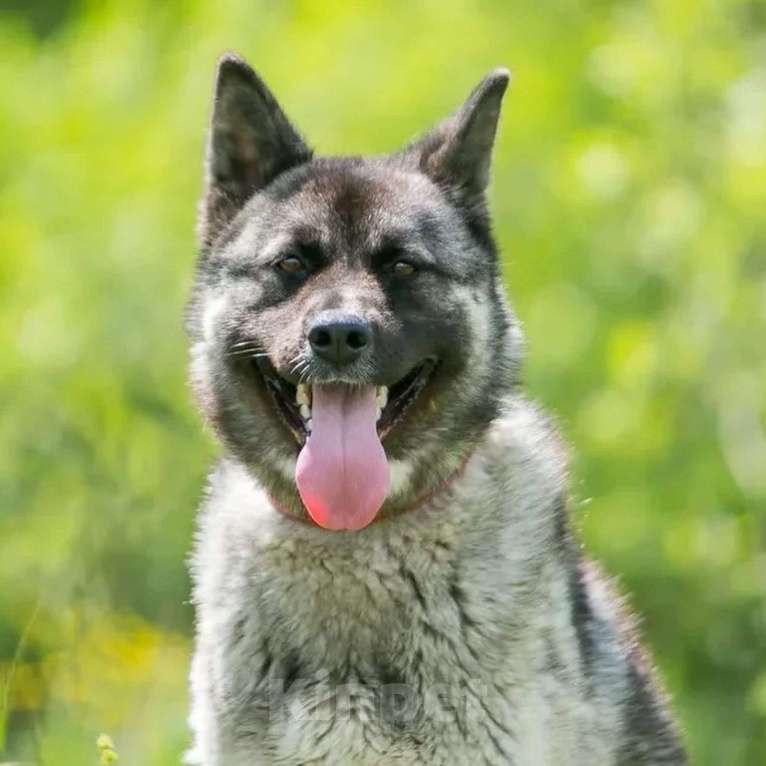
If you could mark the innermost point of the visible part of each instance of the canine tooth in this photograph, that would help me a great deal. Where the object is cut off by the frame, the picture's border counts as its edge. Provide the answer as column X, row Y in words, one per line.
column 308, row 425
column 378, row 413
column 305, row 411
column 302, row 395
column 381, row 396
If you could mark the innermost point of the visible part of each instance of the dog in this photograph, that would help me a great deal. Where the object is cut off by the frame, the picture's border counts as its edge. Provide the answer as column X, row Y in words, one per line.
column 385, row 571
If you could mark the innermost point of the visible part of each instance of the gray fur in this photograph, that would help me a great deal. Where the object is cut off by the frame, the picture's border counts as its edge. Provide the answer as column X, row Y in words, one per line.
column 463, row 626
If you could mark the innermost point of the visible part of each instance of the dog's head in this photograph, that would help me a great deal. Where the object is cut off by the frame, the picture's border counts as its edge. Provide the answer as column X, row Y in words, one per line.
column 351, row 341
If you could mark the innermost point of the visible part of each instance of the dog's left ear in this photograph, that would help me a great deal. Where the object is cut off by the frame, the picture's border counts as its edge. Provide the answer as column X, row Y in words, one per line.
column 457, row 153
column 250, row 143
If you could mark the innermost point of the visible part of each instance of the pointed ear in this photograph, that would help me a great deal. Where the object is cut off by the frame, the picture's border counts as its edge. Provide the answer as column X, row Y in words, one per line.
column 250, row 142
column 457, row 153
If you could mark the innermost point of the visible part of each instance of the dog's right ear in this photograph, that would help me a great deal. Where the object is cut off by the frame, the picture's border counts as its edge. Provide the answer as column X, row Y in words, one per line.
column 250, row 142
column 457, row 153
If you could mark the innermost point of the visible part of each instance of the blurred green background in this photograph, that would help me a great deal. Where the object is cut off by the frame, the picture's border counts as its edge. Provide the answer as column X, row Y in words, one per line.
column 629, row 194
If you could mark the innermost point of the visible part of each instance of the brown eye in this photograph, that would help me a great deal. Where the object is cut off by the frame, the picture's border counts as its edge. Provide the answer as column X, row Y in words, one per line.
column 291, row 264
column 403, row 269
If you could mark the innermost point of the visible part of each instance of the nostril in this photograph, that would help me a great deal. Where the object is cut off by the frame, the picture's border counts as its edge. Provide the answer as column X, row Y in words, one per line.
column 320, row 338
column 357, row 340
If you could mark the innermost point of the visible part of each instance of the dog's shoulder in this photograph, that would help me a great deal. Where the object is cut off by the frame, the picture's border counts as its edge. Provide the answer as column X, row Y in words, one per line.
column 525, row 439
column 619, row 667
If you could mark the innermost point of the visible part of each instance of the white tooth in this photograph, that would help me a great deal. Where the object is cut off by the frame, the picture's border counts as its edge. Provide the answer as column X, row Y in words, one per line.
column 305, row 411
column 381, row 396
column 378, row 413
column 302, row 395
column 308, row 425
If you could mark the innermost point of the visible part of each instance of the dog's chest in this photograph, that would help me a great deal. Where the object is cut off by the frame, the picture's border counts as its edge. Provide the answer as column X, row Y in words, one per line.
column 427, row 642
column 369, row 656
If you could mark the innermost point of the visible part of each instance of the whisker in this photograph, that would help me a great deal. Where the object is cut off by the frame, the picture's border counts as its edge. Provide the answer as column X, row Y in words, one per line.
column 247, row 352
column 301, row 369
column 249, row 343
column 304, row 374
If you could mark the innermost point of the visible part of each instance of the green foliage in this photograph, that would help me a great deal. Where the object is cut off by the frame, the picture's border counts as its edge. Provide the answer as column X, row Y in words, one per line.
column 106, row 752
column 629, row 198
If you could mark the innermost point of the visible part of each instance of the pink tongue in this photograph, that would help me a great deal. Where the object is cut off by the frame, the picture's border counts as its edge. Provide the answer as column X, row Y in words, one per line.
column 342, row 471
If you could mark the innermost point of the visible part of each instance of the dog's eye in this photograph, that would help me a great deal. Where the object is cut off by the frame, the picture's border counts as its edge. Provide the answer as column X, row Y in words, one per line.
column 403, row 269
column 291, row 264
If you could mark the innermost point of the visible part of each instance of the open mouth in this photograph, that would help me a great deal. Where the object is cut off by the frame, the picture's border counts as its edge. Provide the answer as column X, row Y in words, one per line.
column 294, row 403
column 341, row 472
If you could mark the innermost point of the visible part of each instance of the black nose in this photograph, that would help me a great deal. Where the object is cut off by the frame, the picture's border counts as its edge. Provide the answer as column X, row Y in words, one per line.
column 339, row 340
